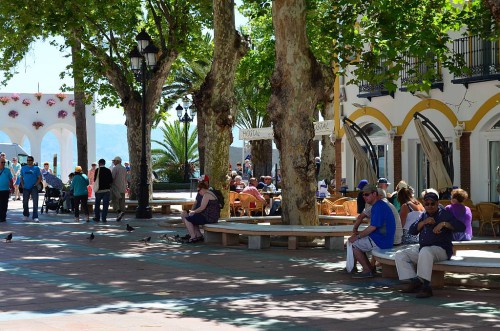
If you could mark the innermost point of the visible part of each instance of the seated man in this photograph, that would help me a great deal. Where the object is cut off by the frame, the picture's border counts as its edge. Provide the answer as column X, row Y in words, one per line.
column 380, row 233
column 252, row 190
column 269, row 184
column 435, row 228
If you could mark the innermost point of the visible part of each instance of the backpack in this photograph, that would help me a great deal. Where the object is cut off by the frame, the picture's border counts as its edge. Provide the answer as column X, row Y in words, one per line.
column 219, row 196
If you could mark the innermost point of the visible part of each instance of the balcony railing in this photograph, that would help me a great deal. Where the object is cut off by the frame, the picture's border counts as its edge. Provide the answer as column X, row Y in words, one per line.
column 369, row 90
column 480, row 56
column 415, row 69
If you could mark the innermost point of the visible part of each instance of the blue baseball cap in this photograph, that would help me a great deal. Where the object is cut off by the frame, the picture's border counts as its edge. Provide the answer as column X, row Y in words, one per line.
column 362, row 183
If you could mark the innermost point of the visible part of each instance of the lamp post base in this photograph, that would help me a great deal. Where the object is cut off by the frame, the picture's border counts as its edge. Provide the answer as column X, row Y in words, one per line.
column 144, row 212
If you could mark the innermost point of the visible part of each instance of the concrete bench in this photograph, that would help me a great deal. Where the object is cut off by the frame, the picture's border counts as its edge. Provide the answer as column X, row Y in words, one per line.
column 467, row 259
column 259, row 235
column 323, row 219
column 163, row 204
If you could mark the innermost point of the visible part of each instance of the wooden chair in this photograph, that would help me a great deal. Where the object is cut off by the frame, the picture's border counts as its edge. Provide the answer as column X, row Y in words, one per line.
column 234, row 203
column 486, row 216
column 444, row 203
column 336, row 207
column 250, row 204
column 351, row 207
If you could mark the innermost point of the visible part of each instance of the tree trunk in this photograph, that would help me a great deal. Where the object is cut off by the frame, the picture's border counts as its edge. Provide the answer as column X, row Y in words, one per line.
column 494, row 6
column 262, row 157
column 296, row 89
column 200, row 125
column 327, row 169
column 216, row 96
column 80, row 115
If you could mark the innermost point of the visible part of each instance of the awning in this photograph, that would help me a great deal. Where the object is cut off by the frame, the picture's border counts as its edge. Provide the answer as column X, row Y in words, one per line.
column 439, row 178
column 364, row 169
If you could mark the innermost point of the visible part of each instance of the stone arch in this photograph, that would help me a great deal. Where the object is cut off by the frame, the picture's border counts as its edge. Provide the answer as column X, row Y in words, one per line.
column 20, row 112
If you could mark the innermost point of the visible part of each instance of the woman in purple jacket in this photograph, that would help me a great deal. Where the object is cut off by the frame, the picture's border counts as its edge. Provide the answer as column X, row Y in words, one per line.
column 461, row 213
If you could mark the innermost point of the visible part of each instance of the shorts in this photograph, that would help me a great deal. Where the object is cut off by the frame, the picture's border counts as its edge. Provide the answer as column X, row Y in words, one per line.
column 365, row 244
column 197, row 219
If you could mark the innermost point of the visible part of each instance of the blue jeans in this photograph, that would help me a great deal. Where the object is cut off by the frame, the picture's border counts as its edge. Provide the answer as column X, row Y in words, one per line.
column 104, row 196
column 33, row 193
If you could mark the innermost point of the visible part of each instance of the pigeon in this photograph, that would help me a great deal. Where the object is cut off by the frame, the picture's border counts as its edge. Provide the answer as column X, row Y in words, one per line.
column 130, row 228
column 8, row 239
column 145, row 240
column 91, row 237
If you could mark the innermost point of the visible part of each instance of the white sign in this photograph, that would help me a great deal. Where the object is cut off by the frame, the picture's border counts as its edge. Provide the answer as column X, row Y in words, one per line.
column 324, row 128
column 256, row 134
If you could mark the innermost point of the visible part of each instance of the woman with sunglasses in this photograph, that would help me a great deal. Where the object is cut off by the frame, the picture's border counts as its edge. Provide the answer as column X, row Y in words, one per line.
column 5, row 187
column 435, row 228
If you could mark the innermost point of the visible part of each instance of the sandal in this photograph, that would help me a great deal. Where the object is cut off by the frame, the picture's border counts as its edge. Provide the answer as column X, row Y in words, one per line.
column 195, row 240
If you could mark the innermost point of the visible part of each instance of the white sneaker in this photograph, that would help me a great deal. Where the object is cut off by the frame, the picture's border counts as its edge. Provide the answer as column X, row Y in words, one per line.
column 26, row 218
column 36, row 220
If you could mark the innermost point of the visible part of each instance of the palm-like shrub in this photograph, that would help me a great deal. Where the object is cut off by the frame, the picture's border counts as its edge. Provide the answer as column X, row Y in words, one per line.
column 168, row 161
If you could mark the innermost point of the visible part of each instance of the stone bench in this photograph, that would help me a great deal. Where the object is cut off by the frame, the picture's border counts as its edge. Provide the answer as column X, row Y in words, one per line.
column 259, row 235
column 323, row 219
column 163, row 204
column 476, row 256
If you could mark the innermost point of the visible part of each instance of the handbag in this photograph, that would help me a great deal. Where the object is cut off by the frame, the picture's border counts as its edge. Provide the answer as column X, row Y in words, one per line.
column 95, row 187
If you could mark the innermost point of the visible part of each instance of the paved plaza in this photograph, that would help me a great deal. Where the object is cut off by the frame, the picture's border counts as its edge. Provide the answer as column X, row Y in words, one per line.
column 53, row 278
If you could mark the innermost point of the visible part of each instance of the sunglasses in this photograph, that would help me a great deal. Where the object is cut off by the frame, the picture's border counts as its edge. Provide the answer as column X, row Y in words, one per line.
column 30, row 160
column 2, row 162
column 430, row 204
column 367, row 194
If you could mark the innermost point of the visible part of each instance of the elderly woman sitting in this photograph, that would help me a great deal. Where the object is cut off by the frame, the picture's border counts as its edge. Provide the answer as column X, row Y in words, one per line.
column 461, row 213
column 206, row 210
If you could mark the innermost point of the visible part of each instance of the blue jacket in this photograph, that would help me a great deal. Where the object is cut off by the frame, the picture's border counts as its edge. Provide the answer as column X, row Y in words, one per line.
column 428, row 238
column 79, row 184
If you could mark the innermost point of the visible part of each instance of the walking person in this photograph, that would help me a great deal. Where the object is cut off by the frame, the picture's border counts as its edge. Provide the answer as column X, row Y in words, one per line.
column 31, row 177
column 5, row 187
column 118, row 187
column 15, row 168
column 102, row 186
column 81, row 194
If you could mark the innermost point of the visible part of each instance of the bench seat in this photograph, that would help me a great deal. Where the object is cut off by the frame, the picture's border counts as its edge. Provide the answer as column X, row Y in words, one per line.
column 467, row 259
column 163, row 204
column 323, row 219
column 259, row 235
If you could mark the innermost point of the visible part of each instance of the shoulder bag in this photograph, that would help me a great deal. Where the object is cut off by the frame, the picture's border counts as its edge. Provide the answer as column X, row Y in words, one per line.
column 95, row 187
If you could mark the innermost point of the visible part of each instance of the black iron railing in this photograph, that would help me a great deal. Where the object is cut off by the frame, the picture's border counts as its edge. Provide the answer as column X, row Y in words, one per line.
column 414, row 70
column 368, row 89
column 481, row 58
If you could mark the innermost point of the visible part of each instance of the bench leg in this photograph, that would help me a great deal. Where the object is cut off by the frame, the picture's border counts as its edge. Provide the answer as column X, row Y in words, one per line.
column 213, row 237
column 437, row 279
column 230, row 239
column 334, row 243
column 259, row 242
column 389, row 271
column 165, row 209
column 293, row 242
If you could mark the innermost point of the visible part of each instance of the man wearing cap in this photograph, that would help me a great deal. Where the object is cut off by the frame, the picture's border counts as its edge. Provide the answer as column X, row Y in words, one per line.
column 104, row 179
column 380, row 232
column 118, row 187
column 435, row 228
column 31, row 177
column 79, row 186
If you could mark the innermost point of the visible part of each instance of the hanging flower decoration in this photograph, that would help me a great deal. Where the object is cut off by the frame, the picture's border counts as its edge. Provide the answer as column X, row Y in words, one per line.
column 26, row 102
column 74, row 114
column 13, row 113
column 37, row 124
column 61, row 96
column 62, row 114
column 4, row 100
column 15, row 97
column 51, row 102
column 38, row 95
column 71, row 103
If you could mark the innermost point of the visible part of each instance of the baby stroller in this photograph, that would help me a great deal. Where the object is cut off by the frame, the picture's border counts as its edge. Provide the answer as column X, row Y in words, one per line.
column 52, row 199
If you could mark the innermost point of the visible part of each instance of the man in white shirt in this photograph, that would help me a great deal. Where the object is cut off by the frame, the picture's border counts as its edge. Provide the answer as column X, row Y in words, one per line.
column 118, row 187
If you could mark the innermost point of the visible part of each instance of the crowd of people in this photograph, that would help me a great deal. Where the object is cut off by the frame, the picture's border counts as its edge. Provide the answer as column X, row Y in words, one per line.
column 399, row 218
column 107, row 185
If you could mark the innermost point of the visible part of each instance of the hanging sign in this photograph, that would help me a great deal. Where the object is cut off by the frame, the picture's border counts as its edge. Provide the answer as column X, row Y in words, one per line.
column 256, row 134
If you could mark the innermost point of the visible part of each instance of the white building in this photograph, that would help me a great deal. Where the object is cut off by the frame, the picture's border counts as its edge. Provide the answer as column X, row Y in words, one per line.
column 28, row 117
column 464, row 109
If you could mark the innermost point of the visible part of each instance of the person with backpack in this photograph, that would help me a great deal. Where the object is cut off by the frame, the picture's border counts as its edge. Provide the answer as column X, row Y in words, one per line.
column 205, row 211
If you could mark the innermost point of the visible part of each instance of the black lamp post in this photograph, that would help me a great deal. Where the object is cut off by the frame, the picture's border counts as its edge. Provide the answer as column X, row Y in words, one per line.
column 188, row 116
column 142, row 59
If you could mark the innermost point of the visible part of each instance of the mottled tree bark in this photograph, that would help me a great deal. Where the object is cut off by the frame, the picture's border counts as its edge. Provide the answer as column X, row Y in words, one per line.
column 296, row 89
column 494, row 6
column 216, row 96
column 80, row 115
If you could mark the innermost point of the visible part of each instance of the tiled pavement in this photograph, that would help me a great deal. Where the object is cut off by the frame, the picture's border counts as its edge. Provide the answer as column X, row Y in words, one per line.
column 52, row 278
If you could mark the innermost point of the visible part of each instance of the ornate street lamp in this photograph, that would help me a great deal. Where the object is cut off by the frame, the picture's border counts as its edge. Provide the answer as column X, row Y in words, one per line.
column 143, row 60
column 188, row 116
